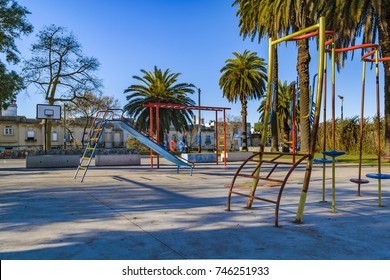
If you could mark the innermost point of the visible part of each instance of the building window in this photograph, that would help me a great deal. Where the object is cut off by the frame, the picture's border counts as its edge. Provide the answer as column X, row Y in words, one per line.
column 30, row 135
column 8, row 130
column 54, row 136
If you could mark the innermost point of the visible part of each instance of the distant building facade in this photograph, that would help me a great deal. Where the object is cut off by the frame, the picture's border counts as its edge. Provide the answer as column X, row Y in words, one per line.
column 21, row 133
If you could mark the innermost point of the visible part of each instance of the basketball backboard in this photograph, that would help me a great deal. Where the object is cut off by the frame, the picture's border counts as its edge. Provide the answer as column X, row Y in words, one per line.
column 51, row 112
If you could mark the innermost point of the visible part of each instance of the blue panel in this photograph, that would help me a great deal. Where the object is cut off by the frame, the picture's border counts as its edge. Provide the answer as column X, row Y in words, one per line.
column 333, row 153
column 378, row 176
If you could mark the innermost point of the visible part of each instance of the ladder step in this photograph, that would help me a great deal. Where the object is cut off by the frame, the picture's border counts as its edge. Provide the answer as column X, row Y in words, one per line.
column 277, row 162
column 260, row 178
column 90, row 148
column 255, row 197
column 87, row 158
column 82, row 167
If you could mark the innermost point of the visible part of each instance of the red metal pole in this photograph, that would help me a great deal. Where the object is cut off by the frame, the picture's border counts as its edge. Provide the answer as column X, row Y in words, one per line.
column 325, row 92
column 151, row 133
column 378, row 112
column 224, row 135
column 158, row 131
column 216, row 137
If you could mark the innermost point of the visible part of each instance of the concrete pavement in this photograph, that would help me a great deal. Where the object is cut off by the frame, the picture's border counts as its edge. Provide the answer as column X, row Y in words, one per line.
column 141, row 213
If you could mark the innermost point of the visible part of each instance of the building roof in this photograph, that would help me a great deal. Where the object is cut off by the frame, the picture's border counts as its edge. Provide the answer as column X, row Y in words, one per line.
column 18, row 119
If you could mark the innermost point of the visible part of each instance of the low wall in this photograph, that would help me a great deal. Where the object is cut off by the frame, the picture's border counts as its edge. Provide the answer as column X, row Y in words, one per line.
column 241, row 156
column 47, row 161
column 200, row 157
column 124, row 159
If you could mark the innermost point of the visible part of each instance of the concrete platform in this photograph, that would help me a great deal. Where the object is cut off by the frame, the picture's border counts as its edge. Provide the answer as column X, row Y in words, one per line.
column 141, row 213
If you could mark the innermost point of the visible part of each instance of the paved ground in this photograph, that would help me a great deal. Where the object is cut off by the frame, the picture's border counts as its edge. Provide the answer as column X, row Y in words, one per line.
column 139, row 213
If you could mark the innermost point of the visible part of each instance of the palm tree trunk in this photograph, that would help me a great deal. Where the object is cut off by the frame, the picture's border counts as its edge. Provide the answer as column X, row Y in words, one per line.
column 384, row 42
column 286, row 136
column 161, row 137
column 274, row 119
column 244, row 144
column 304, row 93
column 161, row 131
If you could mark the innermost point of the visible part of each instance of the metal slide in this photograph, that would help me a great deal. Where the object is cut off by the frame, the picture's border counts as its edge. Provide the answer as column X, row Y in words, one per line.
column 144, row 139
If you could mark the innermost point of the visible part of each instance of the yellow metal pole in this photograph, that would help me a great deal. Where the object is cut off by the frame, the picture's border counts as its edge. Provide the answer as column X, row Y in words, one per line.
column 298, row 33
column 333, row 130
column 269, row 93
column 309, row 165
column 324, row 133
column 361, row 125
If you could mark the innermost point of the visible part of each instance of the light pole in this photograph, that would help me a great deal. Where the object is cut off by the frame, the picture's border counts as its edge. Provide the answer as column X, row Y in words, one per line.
column 199, row 125
column 342, row 106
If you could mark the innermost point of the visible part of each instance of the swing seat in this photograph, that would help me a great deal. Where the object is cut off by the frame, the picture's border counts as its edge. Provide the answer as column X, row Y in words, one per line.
column 359, row 181
column 378, row 176
column 322, row 160
column 333, row 153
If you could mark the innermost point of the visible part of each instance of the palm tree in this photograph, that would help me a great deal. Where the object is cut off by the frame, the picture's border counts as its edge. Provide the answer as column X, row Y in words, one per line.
column 160, row 86
column 371, row 20
column 264, row 17
column 243, row 78
column 283, row 111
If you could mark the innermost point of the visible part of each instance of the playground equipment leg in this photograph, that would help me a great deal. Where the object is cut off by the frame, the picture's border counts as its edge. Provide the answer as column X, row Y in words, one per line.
column 309, row 165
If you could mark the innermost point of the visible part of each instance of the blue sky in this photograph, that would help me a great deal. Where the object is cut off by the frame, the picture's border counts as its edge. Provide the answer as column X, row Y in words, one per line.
column 192, row 37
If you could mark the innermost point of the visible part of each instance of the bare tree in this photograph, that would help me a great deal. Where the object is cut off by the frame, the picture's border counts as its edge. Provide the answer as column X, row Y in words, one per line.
column 59, row 69
column 87, row 106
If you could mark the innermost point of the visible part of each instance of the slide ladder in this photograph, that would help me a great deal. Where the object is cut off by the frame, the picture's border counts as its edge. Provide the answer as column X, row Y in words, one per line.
column 93, row 137
column 115, row 117
column 265, row 169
